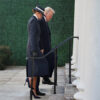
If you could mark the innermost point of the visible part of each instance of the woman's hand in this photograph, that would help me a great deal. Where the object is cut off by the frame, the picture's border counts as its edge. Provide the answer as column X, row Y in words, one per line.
column 42, row 51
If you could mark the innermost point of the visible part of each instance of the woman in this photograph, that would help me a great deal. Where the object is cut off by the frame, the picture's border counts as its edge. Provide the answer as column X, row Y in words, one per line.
column 35, row 67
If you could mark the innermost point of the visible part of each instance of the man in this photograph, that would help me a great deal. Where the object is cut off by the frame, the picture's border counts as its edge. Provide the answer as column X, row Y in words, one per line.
column 45, row 42
column 35, row 67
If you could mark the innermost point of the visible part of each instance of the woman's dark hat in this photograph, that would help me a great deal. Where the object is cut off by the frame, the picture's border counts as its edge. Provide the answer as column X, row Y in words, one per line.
column 39, row 9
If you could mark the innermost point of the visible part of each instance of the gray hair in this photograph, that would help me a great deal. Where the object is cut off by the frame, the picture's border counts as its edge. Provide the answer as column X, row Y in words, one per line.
column 47, row 9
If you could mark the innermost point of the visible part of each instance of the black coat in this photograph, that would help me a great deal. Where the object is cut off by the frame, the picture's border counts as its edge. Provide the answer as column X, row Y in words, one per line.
column 45, row 43
column 35, row 67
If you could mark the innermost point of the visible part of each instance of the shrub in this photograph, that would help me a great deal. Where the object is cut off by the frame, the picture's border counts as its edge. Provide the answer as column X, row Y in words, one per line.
column 5, row 54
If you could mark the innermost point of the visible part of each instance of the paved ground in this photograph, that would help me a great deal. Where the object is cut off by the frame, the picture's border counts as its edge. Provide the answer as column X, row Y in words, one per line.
column 12, row 85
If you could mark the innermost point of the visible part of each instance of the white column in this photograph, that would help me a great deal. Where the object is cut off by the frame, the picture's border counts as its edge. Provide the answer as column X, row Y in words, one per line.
column 92, row 69
column 78, row 28
column 76, row 32
column 76, row 43
column 81, row 55
column 89, row 51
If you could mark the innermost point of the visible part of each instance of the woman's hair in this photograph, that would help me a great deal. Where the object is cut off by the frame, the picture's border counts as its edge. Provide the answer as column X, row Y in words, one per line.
column 33, row 11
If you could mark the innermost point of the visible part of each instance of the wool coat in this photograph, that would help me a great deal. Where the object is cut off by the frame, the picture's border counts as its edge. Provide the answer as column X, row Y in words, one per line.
column 35, row 67
column 45, row 43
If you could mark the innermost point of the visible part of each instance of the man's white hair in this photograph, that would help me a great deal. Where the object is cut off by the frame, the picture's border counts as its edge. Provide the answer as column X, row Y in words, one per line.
column 47, row 9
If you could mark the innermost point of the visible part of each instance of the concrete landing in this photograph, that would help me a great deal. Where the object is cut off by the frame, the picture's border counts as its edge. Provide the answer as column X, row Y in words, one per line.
column 12, row 85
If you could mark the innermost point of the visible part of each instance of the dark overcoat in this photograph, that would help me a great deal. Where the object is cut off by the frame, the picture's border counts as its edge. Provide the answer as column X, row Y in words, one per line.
column 36, row 67
column 45, row 43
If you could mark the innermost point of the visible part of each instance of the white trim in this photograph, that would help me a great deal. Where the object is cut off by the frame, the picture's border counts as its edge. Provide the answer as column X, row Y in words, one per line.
column 35, row 16
column 39, row 9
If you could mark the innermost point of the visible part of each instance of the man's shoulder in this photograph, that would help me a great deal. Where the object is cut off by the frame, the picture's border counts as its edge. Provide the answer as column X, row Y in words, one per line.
column 42, row 21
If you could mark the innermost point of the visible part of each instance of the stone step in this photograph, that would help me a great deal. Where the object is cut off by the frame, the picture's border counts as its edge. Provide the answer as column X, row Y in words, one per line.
column 57, row 97
column 70, row 89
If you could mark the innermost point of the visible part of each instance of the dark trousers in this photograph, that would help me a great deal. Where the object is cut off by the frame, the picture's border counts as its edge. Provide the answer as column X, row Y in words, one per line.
column 51, row 63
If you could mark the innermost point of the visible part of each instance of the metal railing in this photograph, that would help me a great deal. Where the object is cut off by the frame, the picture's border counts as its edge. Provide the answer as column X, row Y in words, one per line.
column 55, row 68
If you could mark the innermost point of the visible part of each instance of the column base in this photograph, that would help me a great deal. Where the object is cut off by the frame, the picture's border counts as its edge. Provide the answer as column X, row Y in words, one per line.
column 76, row 74
column 74, row 67
column 76, row 82
column 80, row 86
column 78, row 96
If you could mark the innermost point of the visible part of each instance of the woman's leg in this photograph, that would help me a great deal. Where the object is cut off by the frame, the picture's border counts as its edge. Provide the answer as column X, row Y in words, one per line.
column 33, row 81
column 34, row 84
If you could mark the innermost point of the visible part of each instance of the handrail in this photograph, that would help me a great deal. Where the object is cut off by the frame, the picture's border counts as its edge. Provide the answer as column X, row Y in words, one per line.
column 55, row 68
column 53, row 49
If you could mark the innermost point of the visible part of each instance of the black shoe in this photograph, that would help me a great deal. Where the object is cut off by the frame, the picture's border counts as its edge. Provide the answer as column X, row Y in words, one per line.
column 40, row 93
column 27, row 80
column 47, row 82
column 36, row 97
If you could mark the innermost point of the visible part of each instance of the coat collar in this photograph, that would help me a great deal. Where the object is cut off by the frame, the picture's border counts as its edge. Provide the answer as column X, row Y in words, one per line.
column 35, row 16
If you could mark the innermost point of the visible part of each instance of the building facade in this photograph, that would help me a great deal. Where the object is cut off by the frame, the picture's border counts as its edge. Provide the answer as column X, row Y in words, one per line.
column 86, row 50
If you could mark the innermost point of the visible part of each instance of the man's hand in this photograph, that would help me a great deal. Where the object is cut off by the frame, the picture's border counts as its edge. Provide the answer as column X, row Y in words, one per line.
column 42, row 51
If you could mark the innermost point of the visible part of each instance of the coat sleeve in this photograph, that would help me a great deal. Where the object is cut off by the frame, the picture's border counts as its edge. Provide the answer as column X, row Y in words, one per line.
column 33, row 38
column 41, row 35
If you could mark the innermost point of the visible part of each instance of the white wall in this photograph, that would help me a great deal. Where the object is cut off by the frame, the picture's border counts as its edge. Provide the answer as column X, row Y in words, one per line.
column 89, row 49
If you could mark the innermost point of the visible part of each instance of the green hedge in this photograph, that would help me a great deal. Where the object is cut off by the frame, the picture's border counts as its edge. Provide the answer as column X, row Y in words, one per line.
column 14, row 15
column 5, row 54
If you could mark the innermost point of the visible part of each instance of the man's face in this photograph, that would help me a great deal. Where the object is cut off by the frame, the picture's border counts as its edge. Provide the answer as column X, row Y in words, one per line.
column 49, row 16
